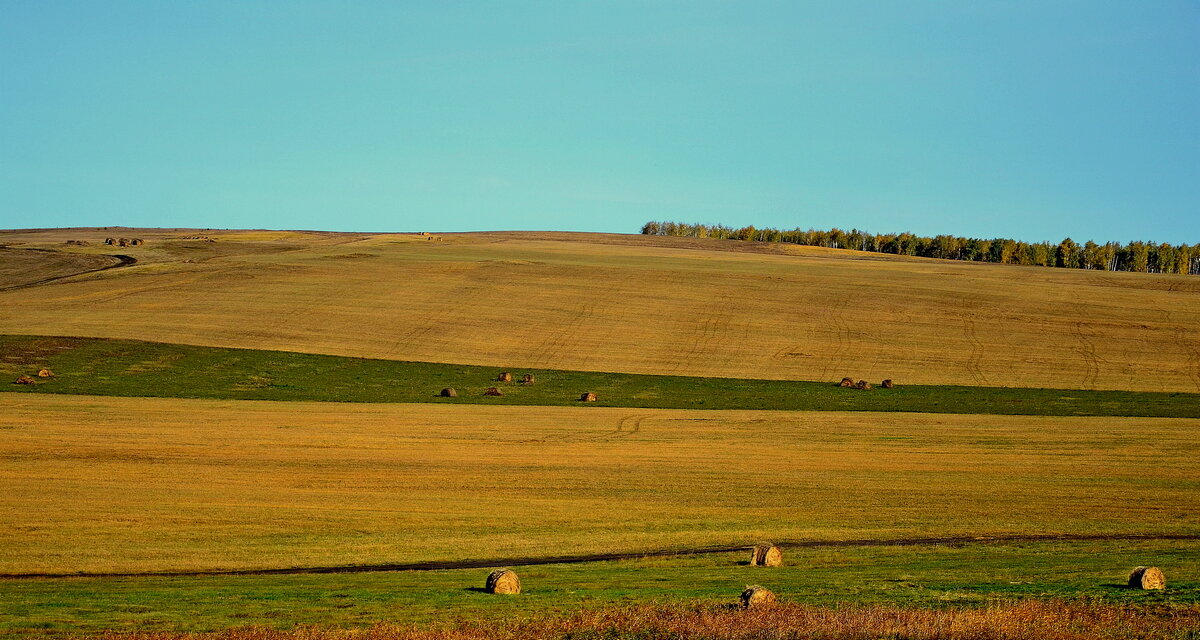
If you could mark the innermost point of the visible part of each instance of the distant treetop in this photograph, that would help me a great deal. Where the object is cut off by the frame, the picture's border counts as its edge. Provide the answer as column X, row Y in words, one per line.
column 1144, row 257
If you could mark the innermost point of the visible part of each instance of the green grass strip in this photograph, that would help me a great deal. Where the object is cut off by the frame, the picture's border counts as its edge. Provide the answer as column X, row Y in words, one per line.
column 91, row 366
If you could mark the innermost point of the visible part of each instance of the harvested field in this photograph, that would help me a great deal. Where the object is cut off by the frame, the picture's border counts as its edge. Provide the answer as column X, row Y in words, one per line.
column 129, row 484
column 789, row 312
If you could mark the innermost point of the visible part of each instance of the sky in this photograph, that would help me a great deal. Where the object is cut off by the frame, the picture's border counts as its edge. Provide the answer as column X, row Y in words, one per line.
column 1030, row 120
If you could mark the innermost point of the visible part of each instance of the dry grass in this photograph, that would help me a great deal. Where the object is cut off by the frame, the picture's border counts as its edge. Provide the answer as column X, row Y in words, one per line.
column 650, row 305
column 132, row 484
column 1045, row 620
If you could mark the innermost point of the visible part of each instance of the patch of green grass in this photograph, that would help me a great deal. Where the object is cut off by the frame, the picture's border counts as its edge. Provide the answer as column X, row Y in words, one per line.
column 135, row 368
column 934, row 576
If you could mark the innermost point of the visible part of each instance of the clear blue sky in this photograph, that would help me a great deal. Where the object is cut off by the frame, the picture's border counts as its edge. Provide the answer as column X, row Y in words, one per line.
column 1034, row 120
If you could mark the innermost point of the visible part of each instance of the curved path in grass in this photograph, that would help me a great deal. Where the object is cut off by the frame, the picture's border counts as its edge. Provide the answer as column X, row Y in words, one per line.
column 604, row 557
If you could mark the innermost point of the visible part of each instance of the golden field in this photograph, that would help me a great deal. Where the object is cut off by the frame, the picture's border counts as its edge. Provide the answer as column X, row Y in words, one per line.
column 631, row 304
column 134, row 484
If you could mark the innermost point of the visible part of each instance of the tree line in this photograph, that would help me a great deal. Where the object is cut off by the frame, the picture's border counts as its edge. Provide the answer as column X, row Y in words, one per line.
column 1144, row 257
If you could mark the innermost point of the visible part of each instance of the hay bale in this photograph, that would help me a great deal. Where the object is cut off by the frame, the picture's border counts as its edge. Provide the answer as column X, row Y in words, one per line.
column 448, row 392
column 503, row 581
column 862, row 384
column 888, row 384
column 755, row 596
column 504, row 377
column 122, row 242
column 1147, row 578
column 528, row 379
column 765, row 554
column 45, row 373
column 846, row 382
column 587, row 396
column 492, row 391
column 23, row 380
column 136, row 241
column 110, row 241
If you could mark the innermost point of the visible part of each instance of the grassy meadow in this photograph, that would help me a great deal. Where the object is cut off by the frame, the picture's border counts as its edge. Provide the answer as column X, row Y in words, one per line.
column 943, row 577
column 135, row 368
column 632, row 304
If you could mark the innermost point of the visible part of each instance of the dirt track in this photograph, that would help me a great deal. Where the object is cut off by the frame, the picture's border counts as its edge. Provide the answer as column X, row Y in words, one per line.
column 529, row 561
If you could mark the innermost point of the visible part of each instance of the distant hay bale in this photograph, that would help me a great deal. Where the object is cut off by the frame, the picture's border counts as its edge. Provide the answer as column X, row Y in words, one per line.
column 766, row 554
column 1147, row 578
column 846, row 382
column 503, row 581
column 528, row 379
column 45, row 373
column 492, row 391
column 110, row 241
column 887, row 384
column 755, row 596
column 504, row 377
column 448, row 392
column 136, row 241
column 862, row 384
column 587, row 396
column 122, row 242
column 23, row 380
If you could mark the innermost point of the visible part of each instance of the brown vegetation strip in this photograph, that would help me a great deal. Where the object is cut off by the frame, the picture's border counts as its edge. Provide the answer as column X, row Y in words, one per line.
column 603, row 557
column 1046, row 620
column 122, row 261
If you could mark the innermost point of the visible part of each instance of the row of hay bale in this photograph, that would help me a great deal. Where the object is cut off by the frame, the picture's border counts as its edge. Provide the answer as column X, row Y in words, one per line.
column 506, row 581
column 507, row 376
column 123, row 242
column 849, row 383
column 44, row 373
column 451, row 392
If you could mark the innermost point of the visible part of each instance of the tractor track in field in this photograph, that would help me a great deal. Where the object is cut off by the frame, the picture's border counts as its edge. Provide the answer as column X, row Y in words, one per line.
column 607, row 557
column 1087, row 351
column 975, row 359
column 122, row 261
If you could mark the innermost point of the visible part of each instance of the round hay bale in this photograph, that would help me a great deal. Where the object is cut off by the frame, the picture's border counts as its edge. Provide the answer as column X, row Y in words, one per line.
column 846, row 382
column 504, row 377
column 587, row 396
column 862, row 384
column 136, row 241
column 448, row 392
column 122, row 242
column 766, row 554
column 1147, row 578
column 492, row 391
column 528, row 379
column 503, row 581
column 755, row 596
column 887, row 384
column 110, row 241
column 45, row 373
column 23, row 380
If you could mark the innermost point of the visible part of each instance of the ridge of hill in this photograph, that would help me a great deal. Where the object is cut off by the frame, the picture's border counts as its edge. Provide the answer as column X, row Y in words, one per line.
column 633, row 304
